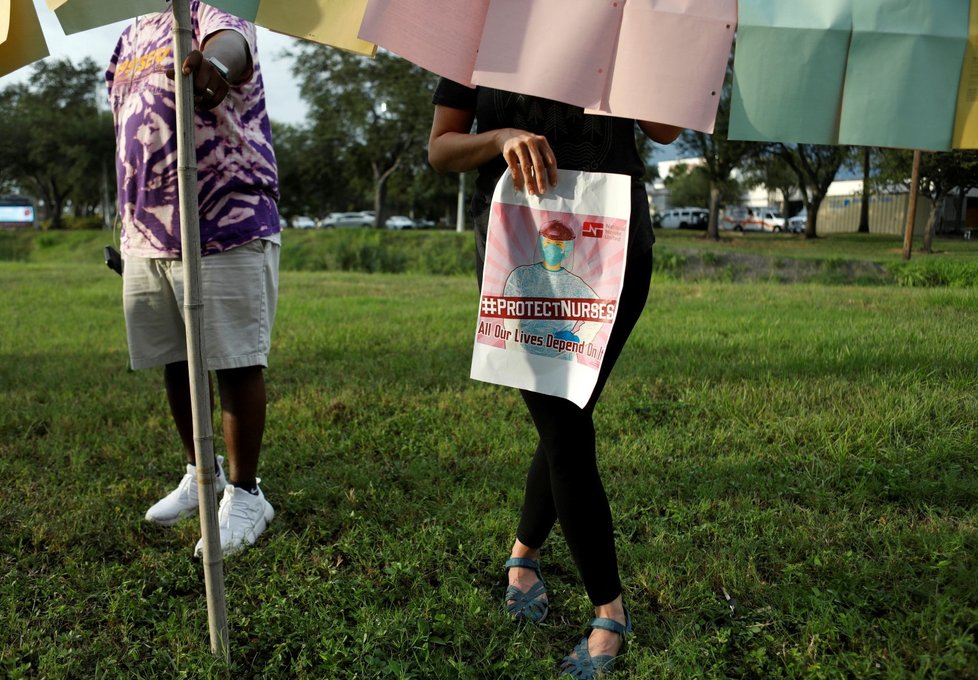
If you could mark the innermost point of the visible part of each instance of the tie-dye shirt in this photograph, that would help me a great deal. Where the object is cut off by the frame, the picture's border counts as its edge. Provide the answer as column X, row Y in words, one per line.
column 237, row 180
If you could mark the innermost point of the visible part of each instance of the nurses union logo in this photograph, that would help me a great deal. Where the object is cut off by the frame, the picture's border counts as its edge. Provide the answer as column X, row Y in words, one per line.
column 593, row 229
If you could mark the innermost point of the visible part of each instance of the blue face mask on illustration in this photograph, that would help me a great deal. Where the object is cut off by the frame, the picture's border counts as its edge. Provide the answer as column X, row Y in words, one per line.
column 556, row 253
column 553, row 254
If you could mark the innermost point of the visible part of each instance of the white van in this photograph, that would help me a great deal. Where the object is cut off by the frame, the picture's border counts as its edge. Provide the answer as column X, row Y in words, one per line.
column 684, row 218
column 740, row 218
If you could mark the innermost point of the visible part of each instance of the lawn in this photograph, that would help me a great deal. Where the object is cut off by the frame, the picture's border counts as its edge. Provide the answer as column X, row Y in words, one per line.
column 792, row 470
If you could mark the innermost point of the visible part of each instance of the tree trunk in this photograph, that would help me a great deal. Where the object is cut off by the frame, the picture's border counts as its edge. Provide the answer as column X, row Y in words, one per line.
column 811, row 224
column 713, row 225
column 928, row 246
column 864, row 208
column 380, row 198
column 380, row 189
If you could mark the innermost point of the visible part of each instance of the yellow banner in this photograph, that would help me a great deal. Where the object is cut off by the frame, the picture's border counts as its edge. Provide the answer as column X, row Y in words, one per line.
column 966, row 118
column 330, row 22
column 21, row 39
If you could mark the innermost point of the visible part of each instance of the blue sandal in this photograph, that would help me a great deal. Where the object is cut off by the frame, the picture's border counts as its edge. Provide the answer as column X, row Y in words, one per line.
column 530, row 605
column 581, row 665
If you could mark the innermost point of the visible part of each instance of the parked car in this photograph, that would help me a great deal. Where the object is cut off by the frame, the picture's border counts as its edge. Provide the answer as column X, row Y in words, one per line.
column 303, row 222
column 348, row 219
column 684, row 218
column 399, row 222
column 796, row 224
column 422, row 223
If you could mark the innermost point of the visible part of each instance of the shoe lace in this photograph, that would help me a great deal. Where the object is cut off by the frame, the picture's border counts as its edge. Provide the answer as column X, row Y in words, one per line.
column 187, row 485
column 235, row 510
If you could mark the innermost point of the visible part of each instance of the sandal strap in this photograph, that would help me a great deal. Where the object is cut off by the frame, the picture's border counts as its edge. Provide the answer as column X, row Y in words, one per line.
column 529, row 605
column 612, row 625
column 608, row 624
column 525, row 563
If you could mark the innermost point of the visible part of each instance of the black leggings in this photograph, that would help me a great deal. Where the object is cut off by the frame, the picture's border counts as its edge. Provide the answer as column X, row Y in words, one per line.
column 563, row 482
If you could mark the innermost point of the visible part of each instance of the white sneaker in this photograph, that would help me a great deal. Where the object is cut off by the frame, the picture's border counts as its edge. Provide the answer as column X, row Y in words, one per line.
column 182, row 501
column 242, row 517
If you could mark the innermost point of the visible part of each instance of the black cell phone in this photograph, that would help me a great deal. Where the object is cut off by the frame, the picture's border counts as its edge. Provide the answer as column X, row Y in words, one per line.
column 113, row 260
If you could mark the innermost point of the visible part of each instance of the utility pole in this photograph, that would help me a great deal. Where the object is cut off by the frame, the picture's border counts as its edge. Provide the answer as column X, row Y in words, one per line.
column 460, row 208
column 911, row 205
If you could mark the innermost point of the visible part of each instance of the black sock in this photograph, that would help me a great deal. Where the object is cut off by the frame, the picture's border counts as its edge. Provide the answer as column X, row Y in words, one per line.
column 251, row 487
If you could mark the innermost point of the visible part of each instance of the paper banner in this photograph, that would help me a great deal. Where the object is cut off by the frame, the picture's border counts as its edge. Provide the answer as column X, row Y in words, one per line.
column 966, row 116
column 650, row 77
column 80, row 15
column 628, row 58
column 903, row 73
column 441, row 36
column 21, row 39
column 328, row 22
column 863, row 72
column 789, row 70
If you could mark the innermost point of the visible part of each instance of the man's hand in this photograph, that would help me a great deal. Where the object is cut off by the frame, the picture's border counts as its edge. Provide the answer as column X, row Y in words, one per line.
column 210, row 88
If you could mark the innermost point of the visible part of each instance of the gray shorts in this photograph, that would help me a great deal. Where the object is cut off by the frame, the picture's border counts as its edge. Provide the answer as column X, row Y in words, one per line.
column 239, row 290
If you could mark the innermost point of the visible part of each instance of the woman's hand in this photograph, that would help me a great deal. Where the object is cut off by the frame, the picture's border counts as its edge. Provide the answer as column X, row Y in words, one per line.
column 530, row 159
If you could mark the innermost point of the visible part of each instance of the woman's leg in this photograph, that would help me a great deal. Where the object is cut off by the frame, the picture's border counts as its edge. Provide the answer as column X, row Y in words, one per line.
column 563, row 480
column 565, row 464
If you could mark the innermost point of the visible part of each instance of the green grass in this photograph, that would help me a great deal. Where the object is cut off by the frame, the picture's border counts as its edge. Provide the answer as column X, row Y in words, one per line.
column 809, row 450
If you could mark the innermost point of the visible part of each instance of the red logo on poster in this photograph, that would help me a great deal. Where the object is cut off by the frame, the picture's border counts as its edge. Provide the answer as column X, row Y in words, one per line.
column 593, row 229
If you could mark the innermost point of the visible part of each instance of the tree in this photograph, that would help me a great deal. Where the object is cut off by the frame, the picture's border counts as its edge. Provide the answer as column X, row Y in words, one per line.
column 772, row 172
column 815, row 167
column 690, row 186
column 940, row 174
column 368, row 119
column 55, row 144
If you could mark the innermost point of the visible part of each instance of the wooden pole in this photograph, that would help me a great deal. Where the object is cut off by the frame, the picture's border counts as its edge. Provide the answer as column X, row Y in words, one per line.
column 200, row 399
column 912, row 205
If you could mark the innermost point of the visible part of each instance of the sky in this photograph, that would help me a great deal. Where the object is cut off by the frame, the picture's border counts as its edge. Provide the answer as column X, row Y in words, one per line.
column 281, row 93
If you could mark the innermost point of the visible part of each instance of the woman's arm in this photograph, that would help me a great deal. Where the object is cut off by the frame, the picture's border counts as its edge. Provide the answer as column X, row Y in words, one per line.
column 452, row 149
column 660, row 133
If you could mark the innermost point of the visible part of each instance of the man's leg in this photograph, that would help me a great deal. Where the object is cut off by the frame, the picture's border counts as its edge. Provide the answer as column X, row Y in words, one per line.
column 182, row 501
column 243, row 404
column 176, row 377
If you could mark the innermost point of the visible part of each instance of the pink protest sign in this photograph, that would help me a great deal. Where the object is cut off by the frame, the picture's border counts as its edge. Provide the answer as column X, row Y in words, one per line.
column 552, row 280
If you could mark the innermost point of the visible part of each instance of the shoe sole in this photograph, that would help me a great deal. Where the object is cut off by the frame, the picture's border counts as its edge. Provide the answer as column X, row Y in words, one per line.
column 169, row 522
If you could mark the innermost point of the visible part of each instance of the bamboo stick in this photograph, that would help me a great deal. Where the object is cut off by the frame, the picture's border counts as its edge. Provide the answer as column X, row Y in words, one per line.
column 213, row 557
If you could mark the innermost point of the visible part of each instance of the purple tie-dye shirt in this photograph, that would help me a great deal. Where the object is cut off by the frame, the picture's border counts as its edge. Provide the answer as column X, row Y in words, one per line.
column 237, row 181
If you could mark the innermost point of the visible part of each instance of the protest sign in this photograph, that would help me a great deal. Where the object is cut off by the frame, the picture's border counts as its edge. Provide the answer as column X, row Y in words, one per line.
column 551, row 284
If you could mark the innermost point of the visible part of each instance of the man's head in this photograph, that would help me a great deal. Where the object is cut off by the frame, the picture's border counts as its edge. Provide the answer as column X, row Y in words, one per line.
column 556, row 243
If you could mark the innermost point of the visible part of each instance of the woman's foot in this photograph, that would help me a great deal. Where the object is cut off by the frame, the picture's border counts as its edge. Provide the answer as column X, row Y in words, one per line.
column 526, row 596
column 603, row 642
column 598, row 650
